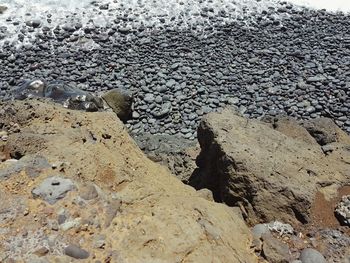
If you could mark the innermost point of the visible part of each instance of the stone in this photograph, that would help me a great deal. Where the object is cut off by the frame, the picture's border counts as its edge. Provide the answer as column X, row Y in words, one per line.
column 34, row 23
column 342, row 211
column 76, row 252
column 120, row 100
column 99, row 241
column 316, row 79
column 280, row 228
column 149, row 98
column 42, row 251
column 325, row 131
column 246, row 162
column 260, row 229
column 3, row 8
column 206, row 194
column 310, row 255
column 88, row 192
column 111, row 211
column 60, row 92
column 274, row 250
column 291, row 128
column 75, row 223
column 52, row 189
column 154, row 201
column 32, row 165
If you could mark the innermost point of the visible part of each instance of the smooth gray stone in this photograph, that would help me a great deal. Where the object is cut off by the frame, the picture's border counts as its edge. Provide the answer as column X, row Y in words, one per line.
column 310, row 255
column 76, row 252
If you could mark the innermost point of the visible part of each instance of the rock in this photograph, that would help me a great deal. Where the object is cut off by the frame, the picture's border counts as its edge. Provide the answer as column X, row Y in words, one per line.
column 60, row 92
column 325, row 131
column 342, row 211
column 175, row 152
column 32, row 165
column 149, row 98
column 280, row 228
column 310, row 255
column 53, row 189
column 316, row 79
column 159, row 218
column 30, row 88
column 99, row 241
column 76, row 252
column 247, row 163
column 42, row 251
column 34, row 23
column 71, row 224
column 111, row 211
column 206, row 194
column 3, row 8
column 291, row 128
column 260, row 229
column 120, row 101
column 165, row 109
column 274, row 250
column 72, row 97
column 88, row 192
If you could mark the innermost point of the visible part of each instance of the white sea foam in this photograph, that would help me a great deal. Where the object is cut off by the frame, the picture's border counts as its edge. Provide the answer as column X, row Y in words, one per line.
column 180, row 13
column 330, row 5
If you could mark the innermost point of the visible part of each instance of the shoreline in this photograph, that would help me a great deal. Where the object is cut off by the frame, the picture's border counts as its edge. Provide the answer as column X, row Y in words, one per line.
column 296, row 66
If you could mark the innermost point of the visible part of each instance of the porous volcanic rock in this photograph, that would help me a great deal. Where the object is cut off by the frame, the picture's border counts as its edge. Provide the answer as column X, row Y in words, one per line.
column 270, row 174
column 142, row 213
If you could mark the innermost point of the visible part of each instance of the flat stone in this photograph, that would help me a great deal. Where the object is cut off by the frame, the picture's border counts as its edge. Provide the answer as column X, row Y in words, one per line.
column 53, row 189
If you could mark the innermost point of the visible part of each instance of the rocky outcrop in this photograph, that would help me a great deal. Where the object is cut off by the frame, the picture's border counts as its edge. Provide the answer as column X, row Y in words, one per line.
column 272, row 171
column 100, row 198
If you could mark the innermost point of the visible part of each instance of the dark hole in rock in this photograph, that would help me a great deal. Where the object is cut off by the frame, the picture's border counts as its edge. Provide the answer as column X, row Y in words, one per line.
column 16, row 155
column 299, row 216
column 55, row 183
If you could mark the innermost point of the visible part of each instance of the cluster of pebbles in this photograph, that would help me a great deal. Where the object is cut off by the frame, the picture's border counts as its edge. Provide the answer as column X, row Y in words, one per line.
column 278, row 60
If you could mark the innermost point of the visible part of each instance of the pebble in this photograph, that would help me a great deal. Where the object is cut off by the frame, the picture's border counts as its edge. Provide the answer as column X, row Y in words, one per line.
column 71, row 224
column 76, row 252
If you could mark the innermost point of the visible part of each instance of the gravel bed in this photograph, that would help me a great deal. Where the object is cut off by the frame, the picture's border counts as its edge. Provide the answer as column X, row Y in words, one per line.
column 265, row 62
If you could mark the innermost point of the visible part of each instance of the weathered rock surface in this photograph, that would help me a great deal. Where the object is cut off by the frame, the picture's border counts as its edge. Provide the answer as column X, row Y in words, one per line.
column 275, row 251
column 120, row 102
column 143, row 213
column 270, row 174
column 53, row 189
column 310, row 255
